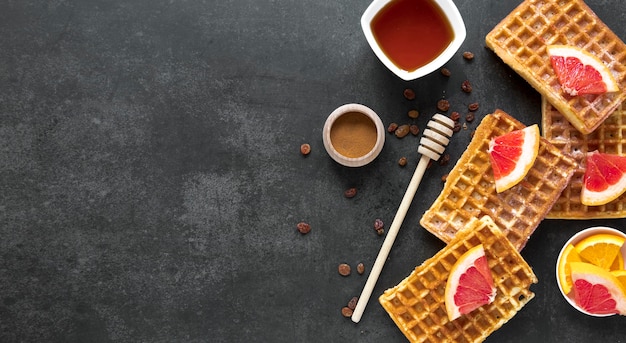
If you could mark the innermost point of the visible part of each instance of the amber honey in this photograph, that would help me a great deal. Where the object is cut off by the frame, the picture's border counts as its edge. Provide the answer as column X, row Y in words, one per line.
column 412, row 33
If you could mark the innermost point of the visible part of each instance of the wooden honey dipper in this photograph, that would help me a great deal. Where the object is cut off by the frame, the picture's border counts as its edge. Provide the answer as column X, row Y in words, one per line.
column 432, row 145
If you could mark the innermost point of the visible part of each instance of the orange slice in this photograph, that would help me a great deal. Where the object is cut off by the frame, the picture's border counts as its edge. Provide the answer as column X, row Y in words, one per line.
column 618, row 263
column 596, row 290
column 604, row 180
column 565, row 278
column 600, row 250
column 512, row 155
column 580, row 72
column 470, row 284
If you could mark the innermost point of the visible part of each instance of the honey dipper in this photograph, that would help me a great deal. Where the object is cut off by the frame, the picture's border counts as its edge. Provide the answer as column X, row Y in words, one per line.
column 432, row 144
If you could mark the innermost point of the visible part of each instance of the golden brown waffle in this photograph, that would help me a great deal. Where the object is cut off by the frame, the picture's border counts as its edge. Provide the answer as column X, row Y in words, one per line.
column 520, row 40
column 610, row 137
column 470, row 192
column 417, row 304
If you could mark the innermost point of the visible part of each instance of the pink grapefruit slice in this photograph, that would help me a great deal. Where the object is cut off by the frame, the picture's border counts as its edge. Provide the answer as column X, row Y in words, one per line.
column 604, row 180
column 596, row 290
column 512, row 155
column 580, row 72
column 470, row 283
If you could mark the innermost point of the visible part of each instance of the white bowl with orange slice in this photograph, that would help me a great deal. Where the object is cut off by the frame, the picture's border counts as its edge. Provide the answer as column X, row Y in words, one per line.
column 590, row 271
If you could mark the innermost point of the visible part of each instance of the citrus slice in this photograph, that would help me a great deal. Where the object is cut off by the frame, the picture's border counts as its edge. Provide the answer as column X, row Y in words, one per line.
column 604, row 180
column 618, row 263
column 565, row 278
column 596, row 290
column 621, row 276
column 600, row 250
column 512, row 155
column 580, row 72
column 470, row 284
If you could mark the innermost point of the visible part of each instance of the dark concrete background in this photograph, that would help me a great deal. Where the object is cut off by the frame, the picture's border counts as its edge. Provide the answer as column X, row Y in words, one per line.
column 151, row 179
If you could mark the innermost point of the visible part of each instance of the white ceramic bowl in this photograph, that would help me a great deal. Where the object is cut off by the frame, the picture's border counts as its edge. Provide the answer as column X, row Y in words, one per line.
column 353, row 161
column 453, row 16
column 575, row 239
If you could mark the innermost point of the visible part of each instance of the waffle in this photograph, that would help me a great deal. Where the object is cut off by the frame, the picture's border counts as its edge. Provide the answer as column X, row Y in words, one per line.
column 417, row 304
column 520, row 40
column 470, row 192
column 610, row 137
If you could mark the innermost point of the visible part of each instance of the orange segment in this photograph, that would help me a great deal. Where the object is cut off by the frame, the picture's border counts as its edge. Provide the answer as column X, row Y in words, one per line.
column 512, row 155
column 604, row 180
column 600, row 250
column 580, row 72
column 470, row 283
column 618, row 263
column 565, row 279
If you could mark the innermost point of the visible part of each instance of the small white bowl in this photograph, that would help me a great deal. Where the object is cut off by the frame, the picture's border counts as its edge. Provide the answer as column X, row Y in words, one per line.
column 353, row 161
column 453, row 16
column 575, row 239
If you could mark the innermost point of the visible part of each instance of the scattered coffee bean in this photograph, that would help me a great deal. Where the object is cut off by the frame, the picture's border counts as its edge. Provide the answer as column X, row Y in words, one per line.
column 413, row 114
column 305, row 149
column 445, row 72
column 380, row 232
column 470, row 117
column 409, row 94
column 444, row 159
column 444, row 177
column 360, row 268
column 352, row 303
column 344, row 269
column 350, row 193
column 402, row 131
column 443, row 105
column 392, row 127
column 455, row 116
column 303, row 228
column 457, row 127
column 466, row 86
column 473, row 106
column 346, row 312
column 415, row 130
column 402, row 161
column 468, row 55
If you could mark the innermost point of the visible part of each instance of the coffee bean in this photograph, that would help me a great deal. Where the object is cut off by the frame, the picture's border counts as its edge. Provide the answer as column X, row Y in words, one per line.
column 346, row 312
column 350, row 193
column 443, row 105
column 402, row 161
column 413, row 114
column 415, row 130
column 445, row 72
column 466, row 86
column 468, row 55
column 360, row 268
column 470, row 117
column 305, row 149
column 352, row 303
column 473, row 107
column 392, row 127
column 402, row 131
column 409, row 94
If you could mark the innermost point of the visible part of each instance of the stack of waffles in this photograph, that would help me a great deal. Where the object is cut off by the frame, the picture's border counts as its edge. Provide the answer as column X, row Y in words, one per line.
column 417, row 304
column 470, row 191
column 579, row 124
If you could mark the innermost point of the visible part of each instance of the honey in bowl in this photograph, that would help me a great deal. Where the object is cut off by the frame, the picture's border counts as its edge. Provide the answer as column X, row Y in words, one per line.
column 412, row 33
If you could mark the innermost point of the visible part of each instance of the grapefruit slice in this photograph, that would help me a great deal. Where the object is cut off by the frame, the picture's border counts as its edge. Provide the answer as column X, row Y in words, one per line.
column 604, row 180
column 565, row 279
column 600, row 250
column 596, row 290
column 512, row 155
column 470, row 284
column 580, row 72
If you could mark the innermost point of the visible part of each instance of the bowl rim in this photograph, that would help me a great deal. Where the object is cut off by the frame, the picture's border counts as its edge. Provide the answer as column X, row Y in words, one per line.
column 454, row 18
column 353, row 161
column 575, row 239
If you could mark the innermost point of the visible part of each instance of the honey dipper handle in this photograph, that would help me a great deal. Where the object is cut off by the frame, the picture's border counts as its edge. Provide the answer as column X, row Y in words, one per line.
column 390, row 238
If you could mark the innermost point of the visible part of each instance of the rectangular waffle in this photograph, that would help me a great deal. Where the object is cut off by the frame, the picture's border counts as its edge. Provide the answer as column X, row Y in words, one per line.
column 610, row 137
column 470, row 192
column 521, row 38
column 417, row 304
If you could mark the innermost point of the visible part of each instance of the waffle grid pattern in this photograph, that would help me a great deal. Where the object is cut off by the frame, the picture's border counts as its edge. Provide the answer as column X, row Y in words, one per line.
column 610, row 137
column 417, row 304
column 469, row 191
column 520, row 40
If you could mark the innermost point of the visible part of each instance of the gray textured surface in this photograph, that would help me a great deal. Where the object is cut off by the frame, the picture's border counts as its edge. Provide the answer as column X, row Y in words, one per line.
column 151, row 176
